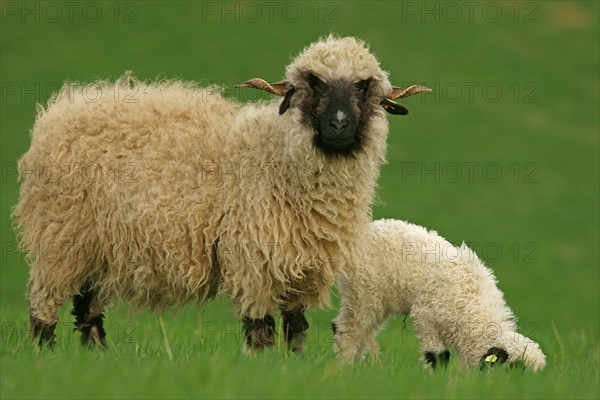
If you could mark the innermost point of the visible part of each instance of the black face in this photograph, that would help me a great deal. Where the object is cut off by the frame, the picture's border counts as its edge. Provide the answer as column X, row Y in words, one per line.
column 338, row 112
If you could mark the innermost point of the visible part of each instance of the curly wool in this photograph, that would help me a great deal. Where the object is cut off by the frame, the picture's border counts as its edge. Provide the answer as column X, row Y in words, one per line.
column 450, row 295
column 163, row 193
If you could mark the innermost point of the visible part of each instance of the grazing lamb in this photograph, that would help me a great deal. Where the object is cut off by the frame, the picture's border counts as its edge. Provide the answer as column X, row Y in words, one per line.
column 163, row 193
column 450, row 295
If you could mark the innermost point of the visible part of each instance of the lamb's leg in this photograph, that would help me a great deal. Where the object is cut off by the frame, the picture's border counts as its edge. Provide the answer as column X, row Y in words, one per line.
column 348, row 346
column 437, row 359
column 372, row 346
column 352, row 334
column 88, row 317
column 295, row 326
column 435, row 353
column 259, row 333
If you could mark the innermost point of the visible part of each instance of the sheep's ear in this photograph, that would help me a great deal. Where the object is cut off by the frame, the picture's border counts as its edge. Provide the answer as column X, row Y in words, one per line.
column 398, row 92
column 285, row 104
column 393, row 107
column 279, row 88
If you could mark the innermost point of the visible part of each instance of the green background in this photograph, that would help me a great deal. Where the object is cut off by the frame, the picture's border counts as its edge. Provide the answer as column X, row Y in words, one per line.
column 503, row 155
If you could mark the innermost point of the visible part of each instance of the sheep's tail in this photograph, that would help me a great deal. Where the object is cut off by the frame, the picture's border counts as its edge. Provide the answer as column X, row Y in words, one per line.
column 522, row 349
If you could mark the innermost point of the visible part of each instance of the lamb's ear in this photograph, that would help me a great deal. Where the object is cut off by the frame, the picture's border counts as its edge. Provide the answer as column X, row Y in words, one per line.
column 279, row 88
column 285, row 104
column 398, row 93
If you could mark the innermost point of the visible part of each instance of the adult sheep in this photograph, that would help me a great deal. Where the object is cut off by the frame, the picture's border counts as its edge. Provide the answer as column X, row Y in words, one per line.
column 163, row 193
column 450, row 295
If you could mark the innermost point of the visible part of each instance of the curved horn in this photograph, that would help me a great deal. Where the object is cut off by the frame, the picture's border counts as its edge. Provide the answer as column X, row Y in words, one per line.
column 398, row 92
column 278, row 88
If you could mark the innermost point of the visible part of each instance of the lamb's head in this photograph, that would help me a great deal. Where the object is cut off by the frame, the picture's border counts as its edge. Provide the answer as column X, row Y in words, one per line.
column 339, row 91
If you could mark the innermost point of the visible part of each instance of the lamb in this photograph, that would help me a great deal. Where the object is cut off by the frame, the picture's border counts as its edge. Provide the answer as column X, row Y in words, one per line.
column 450, row 295
column 164, row 193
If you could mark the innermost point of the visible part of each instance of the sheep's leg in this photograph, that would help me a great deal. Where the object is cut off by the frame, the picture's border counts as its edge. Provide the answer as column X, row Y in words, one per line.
column 89, row 317
column 43, row 311
column 295, row 326
column 259, row 333
column 41, row 330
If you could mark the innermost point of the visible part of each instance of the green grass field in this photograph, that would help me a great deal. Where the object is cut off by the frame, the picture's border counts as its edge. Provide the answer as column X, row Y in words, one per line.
column 504, row 156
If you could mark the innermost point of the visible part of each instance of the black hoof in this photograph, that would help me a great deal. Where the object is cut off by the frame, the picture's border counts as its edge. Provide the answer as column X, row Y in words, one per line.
column 444, row 358
column 437, row 360
column 334, row 327
column 295, row 326
column 42, row 332
column 91, row 328
column 92, row 332
column 259, row 333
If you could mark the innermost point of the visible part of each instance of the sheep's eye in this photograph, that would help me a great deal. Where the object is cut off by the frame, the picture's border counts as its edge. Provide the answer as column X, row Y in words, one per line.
column 315, row 82
column 363, row 85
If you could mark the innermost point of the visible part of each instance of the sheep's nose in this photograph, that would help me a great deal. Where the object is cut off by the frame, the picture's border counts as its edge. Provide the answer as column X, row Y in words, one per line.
column 339, row 122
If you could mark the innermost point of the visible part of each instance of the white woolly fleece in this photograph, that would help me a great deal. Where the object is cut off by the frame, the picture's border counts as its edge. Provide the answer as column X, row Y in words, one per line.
column 163, row 193
column 450, row 295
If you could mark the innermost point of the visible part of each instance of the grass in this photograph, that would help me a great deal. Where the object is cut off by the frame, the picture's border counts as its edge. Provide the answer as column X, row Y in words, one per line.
column 535, row 223
column 208, row 363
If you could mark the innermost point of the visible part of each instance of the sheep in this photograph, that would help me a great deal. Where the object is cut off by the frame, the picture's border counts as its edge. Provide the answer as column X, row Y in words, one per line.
column 163, row 193
column 450, row 295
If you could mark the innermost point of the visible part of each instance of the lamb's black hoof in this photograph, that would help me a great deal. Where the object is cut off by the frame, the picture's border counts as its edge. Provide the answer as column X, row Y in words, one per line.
column 494, row 356
column 437, row 360
column 334, row 327
column 443, row 358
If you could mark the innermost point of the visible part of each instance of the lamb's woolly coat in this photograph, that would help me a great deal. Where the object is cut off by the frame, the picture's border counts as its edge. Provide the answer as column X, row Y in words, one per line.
column 450, row 295
column 163, row 193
